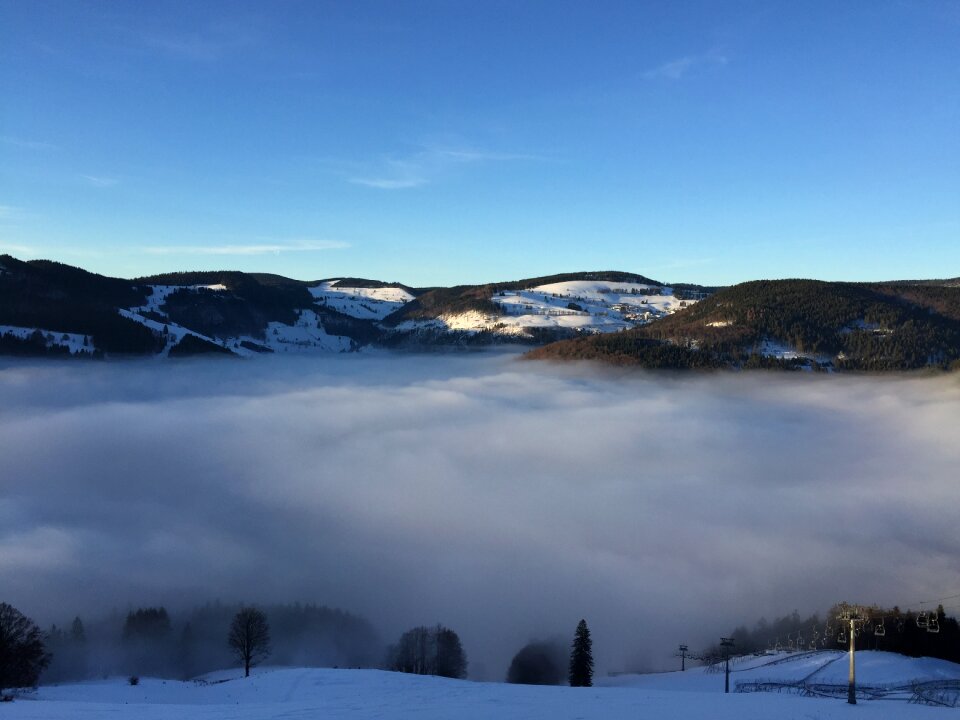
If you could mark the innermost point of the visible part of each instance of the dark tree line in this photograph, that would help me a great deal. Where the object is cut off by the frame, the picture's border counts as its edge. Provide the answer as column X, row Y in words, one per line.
column 865, row 327
column 901, row 633
column 148, row 642
column 33, row 345
column 154, row 642
column 62, row 298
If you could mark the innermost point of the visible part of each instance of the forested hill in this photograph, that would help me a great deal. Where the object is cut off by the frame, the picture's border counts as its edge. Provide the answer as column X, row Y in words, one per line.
column 792, row 323
column 48, row 308
column 64, row 299
column 434, row 302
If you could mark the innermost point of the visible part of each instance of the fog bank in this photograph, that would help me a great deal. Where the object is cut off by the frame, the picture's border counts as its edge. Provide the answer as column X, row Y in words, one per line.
column 502, row 498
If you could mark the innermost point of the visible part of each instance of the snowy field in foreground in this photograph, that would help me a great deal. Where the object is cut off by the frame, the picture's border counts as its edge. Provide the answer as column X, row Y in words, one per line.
column 326, row 693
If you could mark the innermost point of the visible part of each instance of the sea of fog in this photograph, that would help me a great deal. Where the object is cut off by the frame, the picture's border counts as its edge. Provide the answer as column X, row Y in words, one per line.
column 503, row 498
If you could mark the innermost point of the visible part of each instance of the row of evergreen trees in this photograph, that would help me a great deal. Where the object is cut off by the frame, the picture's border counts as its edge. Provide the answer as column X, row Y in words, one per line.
column 907, row 632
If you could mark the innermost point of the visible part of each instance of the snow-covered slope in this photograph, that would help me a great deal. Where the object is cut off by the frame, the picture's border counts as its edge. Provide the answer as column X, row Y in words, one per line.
column 171, row 332
column 305, row 335
column 249, row 313
column 565, row 307
column 361, row 302
column 159, row 294
column 74, row 342
column 593, row 306
column 363, row 694
column 824, row 667
column 588, row 304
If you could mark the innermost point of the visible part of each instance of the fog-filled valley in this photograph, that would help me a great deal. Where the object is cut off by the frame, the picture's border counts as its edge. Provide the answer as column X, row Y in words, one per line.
column 503, row 498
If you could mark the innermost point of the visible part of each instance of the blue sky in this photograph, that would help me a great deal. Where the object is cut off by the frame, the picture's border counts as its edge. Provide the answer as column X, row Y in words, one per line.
column 457, row 142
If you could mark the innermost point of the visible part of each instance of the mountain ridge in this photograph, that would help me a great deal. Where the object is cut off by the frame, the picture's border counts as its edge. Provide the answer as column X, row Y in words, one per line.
column 613, row 316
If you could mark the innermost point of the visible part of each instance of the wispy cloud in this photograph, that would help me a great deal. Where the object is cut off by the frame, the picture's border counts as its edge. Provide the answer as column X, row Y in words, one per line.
column 101, row 181
column 16, row 249
column 678, row 68
column 26, row 144
column 468, row 155
column 393, row 175
column 382, row 183
column 253, row 249
column 207, row 44
column 9, row 212
column 425, row 166
column 189, row 47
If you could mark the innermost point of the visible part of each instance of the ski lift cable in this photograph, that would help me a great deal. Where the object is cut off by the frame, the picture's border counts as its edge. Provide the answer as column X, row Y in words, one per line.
column 931, row 602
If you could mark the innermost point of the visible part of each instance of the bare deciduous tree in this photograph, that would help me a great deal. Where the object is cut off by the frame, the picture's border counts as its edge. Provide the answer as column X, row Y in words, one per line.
column 22, row 654
column 429, row 651
column 249, row 637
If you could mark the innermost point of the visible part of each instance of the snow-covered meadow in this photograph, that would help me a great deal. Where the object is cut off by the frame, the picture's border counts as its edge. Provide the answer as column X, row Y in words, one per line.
column 330, row 693
column 502, row 498
column 593, row 306
column 361, row 302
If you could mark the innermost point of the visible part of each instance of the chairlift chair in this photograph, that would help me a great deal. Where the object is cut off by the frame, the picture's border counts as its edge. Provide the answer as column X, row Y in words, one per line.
column 933, row 625
column 922, row 619
column 880, row 629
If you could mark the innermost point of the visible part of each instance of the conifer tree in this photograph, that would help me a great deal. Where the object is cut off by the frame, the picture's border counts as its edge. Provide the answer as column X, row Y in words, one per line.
column 77, row 632
column 581, row 657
